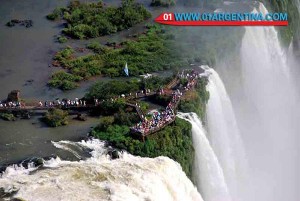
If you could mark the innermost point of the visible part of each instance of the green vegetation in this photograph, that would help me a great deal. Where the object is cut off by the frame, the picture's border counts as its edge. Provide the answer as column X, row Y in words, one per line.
column 105, row 90
column 90, row 20
column 7, row 117
column 62, row 39
column 174, row 141
column 56, row 14
column 111, row 89
column 290, row 7
column 163, row 3
column 56, row 117
column 97, row 47
column 158, row 49
column 153, row 51
column 64, row 81
column 195, row 101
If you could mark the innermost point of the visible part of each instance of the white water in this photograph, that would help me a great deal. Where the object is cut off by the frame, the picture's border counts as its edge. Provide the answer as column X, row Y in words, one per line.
column 208, row 172
column 268, row 116
column 224, row 134
column 99, row 178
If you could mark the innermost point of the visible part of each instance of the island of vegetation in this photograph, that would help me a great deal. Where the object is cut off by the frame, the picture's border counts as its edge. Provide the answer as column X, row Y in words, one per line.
column 90, row 20
column 148, row 53
column 56, row 117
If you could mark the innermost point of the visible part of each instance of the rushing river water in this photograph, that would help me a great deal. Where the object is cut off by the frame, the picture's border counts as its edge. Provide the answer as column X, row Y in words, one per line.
column 259, row 115
column 128, row 178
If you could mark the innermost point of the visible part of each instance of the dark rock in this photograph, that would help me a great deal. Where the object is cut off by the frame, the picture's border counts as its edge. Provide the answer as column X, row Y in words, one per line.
column 25, row 116
column 16, row 21
column 111, row 44
column 114, row 154
column 30, row 81
column 16, row 199
column 11, row 192
column 26, row 23
column 81, row 117
column 14, row 96
column 10, row 24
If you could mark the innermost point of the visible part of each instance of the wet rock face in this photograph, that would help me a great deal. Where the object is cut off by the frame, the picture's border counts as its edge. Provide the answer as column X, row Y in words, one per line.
column 26, row 23
column 113, row 154
column 5, row 194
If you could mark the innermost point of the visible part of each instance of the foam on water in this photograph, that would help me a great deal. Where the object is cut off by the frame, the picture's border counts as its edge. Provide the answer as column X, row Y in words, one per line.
column 100, row 178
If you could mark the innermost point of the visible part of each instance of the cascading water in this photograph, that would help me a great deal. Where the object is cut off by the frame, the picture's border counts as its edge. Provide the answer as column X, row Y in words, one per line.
column 100, row 178
column 224, row 134
column 208, row 172
column 270, row 124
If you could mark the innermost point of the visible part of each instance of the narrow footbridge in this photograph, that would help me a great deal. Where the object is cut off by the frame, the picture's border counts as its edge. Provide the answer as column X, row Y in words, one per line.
column 142, row 129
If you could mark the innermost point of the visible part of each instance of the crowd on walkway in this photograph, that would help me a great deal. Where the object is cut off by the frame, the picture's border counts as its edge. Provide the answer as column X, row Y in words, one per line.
column 46, row 104
column 160, row 119
column 10, row 104
column 63, row 103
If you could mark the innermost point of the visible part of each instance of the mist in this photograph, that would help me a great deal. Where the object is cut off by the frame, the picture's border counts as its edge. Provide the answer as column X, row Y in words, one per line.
column 265, row 99
column 261, row 78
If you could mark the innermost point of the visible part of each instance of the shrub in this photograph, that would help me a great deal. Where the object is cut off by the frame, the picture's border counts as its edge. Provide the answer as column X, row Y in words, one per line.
column 196, row 100
column 62, row 39
column 97, row 47
column 64, row 81
column 56, row 14
column 105, row 90
column 7, row 117
column 56, row 117
column 105, row 122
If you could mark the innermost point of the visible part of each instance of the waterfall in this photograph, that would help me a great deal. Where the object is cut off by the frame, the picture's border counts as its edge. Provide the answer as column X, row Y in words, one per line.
column 224, row 134
column 267, row 112
column 208, row 172
column 128, row 178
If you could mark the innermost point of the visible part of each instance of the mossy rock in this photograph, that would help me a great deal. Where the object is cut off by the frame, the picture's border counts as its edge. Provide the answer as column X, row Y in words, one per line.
column 7, row 117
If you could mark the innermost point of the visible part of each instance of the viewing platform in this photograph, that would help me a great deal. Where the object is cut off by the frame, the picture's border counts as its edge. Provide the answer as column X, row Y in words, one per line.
column 146, row 126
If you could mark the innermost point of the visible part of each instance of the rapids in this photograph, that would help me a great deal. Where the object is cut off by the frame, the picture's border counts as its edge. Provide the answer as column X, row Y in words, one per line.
column 100, row 178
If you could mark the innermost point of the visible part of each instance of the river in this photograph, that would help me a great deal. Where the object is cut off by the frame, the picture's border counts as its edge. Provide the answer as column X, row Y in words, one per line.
column 25, row 55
